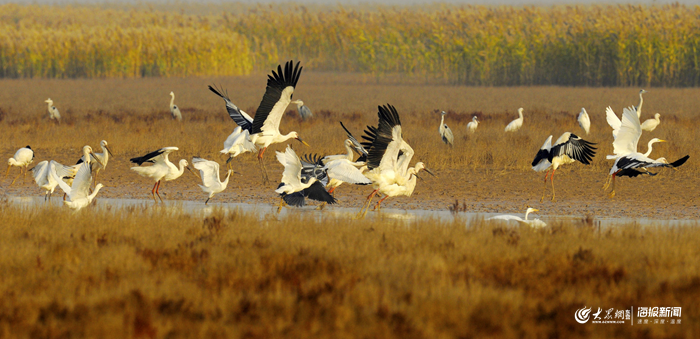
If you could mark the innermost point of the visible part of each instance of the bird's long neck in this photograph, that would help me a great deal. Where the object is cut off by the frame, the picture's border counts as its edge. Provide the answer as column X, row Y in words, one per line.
column 411, row 184
column 105, row 155
column 286, row 137
column 12, row 162
column 442, row 121
column 228, row 175
column 649, row 148
column 94, row 193
column 172, row 100
column 182, row 169
column 50, row 104
column 641, row 101
column 520, row 114
column 526, row 214
column 350, row 152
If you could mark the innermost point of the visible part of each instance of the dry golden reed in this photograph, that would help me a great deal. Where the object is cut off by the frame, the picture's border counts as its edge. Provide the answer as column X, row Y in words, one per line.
column 609, row 45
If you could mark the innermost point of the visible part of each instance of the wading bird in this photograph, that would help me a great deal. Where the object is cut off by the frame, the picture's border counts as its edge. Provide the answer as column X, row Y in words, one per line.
column 388, row 159
column 445, row 132
column 471, row 127
column 641, row 101
column 293, row 188
column 533, row 223
column 567, row 149
column 304, row 111
column 517, row 123
column 78, row 193
column 264, row 129
column 237, row 143
column 53, row 111
column 584, row 121
column 22, row 158
column 651, row 124
column 209, row 172
column 102, row 158
column 174, row 110
column 45, row 180
column 628, row 161
column 161, row 168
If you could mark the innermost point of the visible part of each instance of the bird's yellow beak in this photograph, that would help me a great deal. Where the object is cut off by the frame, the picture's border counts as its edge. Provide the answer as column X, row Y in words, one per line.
column 303, row 142
column 535, row 210
column 662, row 140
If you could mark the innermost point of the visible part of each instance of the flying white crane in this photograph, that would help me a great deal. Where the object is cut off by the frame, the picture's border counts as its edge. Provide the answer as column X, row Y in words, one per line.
column 445, row 132
column 45, row 180
column 237, row 143
column 103, row 158
column 211, row 181
column 293, row 185
column 78, row 193
column 53, row 111
column 533, row 223
column 161, row 168
column 174, row 110
column 651, row 124
column 517, row 123
column 264, row 129
column 641, row 101
column 584, row 121
column 304, row 111
column 388, row 159
column 22, row 159
column 629, row 162
column 471, row 127
column 567, row 149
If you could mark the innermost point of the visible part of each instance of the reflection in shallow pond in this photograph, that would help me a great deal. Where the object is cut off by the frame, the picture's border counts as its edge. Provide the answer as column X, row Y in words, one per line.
column 265, row 211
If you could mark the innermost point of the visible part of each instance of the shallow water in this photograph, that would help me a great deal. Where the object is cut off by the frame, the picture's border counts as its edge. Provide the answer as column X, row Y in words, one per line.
column 266, row 211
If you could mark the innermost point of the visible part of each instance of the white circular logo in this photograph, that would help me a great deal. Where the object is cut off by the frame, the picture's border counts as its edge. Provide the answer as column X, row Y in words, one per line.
column 582, row 315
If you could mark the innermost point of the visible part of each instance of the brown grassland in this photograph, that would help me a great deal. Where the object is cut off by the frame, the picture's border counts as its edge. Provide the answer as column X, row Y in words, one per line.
column 146, row 272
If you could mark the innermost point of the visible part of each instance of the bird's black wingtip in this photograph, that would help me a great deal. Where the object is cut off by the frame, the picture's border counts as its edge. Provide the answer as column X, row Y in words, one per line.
column 680, row 161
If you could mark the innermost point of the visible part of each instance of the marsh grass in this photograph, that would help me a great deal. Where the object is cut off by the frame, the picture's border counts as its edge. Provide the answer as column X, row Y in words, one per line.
column 146, row 272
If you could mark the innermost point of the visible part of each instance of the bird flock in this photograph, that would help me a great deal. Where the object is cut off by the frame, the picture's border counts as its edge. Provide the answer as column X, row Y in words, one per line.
column 382, row 159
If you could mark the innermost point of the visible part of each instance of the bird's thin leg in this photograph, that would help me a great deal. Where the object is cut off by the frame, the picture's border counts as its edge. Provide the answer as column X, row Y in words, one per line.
column 282, row 204
column 551, row 178
column 24, row 178
column 378, row 206
column 153, row 192
column 612, row 193
column 17, row 177
column 157, row 191
column 544, row 191
column 365, row 206
column 332, row 189
column 8, row 170
column 206, row 202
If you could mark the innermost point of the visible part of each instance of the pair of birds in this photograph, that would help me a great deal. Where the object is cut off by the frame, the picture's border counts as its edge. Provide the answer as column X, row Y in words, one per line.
column 535, row 223
column 446, row 133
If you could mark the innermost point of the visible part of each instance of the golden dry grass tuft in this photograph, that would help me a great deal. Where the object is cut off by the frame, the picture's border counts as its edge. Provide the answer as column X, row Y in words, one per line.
column 155, row 273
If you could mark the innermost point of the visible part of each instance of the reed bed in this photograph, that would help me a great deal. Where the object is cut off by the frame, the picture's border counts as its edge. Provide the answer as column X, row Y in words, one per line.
column 597, row 45
column 157, row 273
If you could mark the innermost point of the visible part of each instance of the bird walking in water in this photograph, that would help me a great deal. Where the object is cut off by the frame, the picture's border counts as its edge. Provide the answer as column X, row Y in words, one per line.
column 44, row 179
column 209, row 173
column 22, row 159
column 53, row 111
column 517, row 123
column 567, row 149
column 535, row 223
column 471, row 127
column 78, row 193
column 174, row 110
column 162, row 169
column 445, row 132
column 584, row 121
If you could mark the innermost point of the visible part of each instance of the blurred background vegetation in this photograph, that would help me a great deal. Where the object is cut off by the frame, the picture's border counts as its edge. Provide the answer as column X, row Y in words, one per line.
column 594, row 45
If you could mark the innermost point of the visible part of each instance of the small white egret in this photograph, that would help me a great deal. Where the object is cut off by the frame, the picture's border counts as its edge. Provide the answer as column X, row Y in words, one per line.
column 304, row 111
column 517, row 123
column 471, row 127
column 567, row 149
column 45, row 180
column 53, row 111
column 536, row 223
column 584, row 121
column 22, row 159
column 651, row 124
column 78, row 193
column 211, row 181
column 161, row 167
column 174, row 110
column 445, row 132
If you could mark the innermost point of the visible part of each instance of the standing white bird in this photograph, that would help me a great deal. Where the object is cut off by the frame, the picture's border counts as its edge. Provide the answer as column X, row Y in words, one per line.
column 584, row 121
column 264, row 129
column 567, row 149
column 45, row 180
column 161, row 167
column 237, row 143
column 517, row 123
column 445, row 132
column 209, row 172
column 78, row 193
column 641, row 101
column 533, row 223
column 22, row 158
column 628, row 161
column 471, row 127
column 304, row 111
column 174, row 110
column 102, row 158
column 651, row 124
column 53, row 111
column 388, row 159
